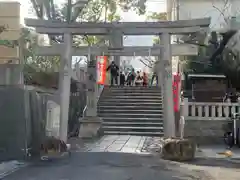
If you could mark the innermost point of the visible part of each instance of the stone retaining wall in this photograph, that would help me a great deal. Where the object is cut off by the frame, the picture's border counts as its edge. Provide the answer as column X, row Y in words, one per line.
column 205, row 131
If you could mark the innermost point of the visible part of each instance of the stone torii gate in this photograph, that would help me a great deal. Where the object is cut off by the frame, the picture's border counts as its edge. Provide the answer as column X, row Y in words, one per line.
column 116, row 30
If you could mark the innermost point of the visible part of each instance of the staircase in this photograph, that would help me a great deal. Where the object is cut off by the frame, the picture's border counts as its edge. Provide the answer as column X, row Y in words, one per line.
column 131, row 111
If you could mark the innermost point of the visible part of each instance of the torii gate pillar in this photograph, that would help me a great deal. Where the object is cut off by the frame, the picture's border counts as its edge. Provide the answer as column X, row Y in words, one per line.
column 166, row 77
column 64, row 86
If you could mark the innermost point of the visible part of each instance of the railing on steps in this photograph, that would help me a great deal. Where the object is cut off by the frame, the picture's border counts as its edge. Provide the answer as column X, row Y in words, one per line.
column 208, row 110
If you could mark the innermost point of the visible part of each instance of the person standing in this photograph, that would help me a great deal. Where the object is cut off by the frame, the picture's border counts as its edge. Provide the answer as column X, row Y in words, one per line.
column 122, row 79
column 139, row 79
column 155, row 74
column 145, row 79
column 153, row 77
column 114, row 73
column 130, row 78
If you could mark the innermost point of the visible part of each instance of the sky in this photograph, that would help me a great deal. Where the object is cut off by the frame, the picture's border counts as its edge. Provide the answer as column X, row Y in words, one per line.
column 152, row 6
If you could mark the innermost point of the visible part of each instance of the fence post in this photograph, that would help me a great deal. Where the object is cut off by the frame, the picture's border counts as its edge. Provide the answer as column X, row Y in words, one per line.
column 184, row 107
column 184, row 113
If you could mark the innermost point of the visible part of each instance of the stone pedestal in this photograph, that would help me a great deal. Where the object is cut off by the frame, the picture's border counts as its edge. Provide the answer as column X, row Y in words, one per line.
column 92, row 89
column 176, row 149
column 90, row 127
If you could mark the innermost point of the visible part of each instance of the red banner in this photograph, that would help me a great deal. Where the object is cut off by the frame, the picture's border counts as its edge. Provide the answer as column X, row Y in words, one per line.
column 101, row 69
column 176, row 97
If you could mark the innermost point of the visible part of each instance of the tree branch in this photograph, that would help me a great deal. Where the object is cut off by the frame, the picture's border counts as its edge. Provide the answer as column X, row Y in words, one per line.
column 193, row 43
column 223, row 10
column 226, row 37
column 47, row 8
column 37, row 9
column 53, row 10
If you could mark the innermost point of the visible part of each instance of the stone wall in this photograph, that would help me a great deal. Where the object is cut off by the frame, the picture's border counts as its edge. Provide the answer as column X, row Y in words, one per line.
column 15, row 124
column 10, row 74
column 205, row 131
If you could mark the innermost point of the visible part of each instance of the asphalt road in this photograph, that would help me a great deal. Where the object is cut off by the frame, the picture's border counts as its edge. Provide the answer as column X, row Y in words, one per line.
column 107, row 166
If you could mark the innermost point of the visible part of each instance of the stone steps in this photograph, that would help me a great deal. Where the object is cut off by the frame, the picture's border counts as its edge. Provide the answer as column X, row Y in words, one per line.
column 158, row 94
column 133, row 107
column 133, row 128
column 132, row 103
column 130, row 100
column 143, row 97
column 145, row 133
column 131, row 111
column 133, row 124
column 132, row 119
column 131, row 115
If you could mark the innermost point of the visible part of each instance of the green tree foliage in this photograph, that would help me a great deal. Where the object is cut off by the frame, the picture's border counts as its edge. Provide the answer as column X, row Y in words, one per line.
column 36, row 65
column 155, row 16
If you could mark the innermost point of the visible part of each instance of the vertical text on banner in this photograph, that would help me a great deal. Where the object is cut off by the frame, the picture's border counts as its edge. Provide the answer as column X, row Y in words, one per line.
column 101, row 69
column 176, row 97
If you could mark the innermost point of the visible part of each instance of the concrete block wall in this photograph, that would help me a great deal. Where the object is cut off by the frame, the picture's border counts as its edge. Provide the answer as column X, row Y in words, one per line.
column 15, row 125
column 10, row 74
column 205, row 132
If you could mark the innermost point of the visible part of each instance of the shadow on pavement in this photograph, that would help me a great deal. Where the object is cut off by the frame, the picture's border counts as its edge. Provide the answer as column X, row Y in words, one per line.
column 106, row 166
column 216, row 162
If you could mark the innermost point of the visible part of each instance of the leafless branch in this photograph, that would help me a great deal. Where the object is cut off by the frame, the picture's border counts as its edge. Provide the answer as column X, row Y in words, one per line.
column 144, row 63
column 222, row 11
column 2, row 28
column 37, row 8
column 193, row 43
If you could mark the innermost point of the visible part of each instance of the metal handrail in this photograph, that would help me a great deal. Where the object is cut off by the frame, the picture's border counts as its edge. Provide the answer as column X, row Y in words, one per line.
column 84, row 111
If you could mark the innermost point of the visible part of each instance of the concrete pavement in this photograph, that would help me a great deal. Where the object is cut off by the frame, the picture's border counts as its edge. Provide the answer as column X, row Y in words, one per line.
column 120, row 158
column 117, row 143
column 107, row 166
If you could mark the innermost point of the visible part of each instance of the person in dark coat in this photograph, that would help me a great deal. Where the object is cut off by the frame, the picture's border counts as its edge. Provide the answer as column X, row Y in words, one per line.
column 114, row 72
column 122, row 79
